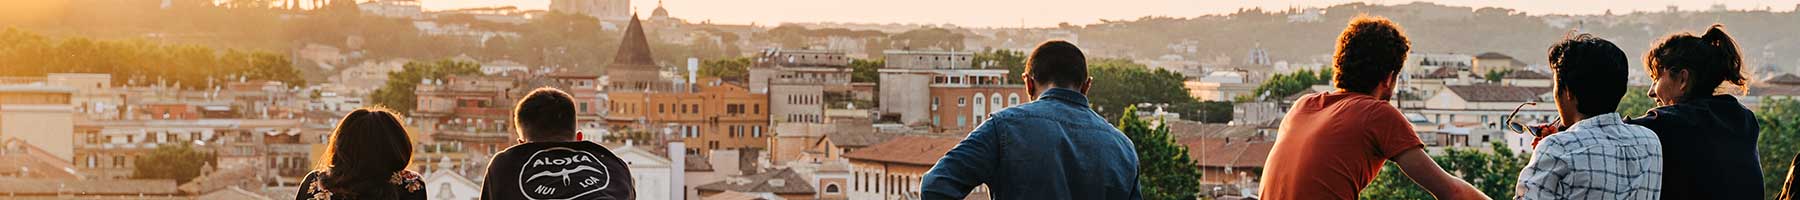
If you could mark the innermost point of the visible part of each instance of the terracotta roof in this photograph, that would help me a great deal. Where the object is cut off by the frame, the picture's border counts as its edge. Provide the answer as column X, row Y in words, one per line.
column 232, row 193
column 1775, row 90
column 223, row 179
column 1783, row 79
column 87, row 187
column 1497, row 93
column 785, row 181
column 733, row 195
column 1442, row 73
column 1228, row 152
column 1186, row 129
column 1525, row 74
column 1493, row 55
column 29, row 161
column 907, row 149
column 857, row 134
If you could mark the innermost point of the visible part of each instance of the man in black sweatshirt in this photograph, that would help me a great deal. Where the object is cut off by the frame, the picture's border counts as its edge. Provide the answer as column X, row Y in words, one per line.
column 549, row 162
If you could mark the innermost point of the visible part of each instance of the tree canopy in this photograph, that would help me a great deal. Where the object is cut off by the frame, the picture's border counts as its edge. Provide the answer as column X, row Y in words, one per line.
column 190, row 66
column 1164, row 168
column 399, row 94
column 1494, row 172
column 725, row 68
column 1282, row 85
column 179, row 161
column 1120, row 83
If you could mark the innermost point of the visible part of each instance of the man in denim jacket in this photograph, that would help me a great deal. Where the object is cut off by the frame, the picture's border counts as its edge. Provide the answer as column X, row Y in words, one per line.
column 1053, row 148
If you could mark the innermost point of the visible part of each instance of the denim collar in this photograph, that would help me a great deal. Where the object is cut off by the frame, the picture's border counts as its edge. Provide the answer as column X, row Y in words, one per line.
column 1065, row 95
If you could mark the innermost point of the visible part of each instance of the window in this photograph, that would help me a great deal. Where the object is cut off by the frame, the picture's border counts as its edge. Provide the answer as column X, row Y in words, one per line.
column 757, row 109
column 960, row 121
column 584, row 107
column 756, row 131
column 118, row 162
column 660, row 108
column 831, row 189
column 960, row 101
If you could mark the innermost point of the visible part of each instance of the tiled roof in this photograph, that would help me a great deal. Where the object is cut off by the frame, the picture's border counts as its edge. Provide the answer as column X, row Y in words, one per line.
column 1493, row 55
column 1497, row 93
column 1442, row 73
column 28, row 160
column 1228, row 152
column 232, row 193
column 907, row 149
column 1784, row 79
column 733, row 195
column 857, row 134
column 222, row 179
column 697, row 163
column 790, row 183
column 87, row 187
column 1525, row 74
column 1186, row 129
column 1775, row 90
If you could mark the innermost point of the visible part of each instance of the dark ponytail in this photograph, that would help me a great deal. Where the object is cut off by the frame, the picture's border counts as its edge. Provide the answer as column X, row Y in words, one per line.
column 1710, row 60
column 1728, row 54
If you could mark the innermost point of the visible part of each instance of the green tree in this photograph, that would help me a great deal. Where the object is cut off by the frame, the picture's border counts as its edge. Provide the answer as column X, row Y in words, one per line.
column 1494, row 172
column 1635, row 103
column 1012, row 61
column 398, row 93
column 1120, row 83
column 1494, row 76
column 723, row 68
column 180, row 162
column 1282, row 85
column 1164, row 168
column 863, row 71
column 1780, row 122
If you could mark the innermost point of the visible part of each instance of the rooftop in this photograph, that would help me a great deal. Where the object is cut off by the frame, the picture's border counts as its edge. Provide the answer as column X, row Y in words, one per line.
column 1497, row 93
column 907, row 149
column 785, row 181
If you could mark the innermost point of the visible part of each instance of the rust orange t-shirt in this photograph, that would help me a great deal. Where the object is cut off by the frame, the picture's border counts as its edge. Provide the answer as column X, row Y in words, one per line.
column 1333, row 144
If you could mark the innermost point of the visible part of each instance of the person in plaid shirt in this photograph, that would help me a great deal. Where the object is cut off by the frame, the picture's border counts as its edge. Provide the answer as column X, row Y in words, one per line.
column 1599, row 156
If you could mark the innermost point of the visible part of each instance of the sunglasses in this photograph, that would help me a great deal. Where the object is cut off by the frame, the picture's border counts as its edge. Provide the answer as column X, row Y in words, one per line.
column 1535, row 130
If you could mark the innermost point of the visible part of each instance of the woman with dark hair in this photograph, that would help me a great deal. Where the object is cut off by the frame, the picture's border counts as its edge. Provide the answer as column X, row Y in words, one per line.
column 367, row 159
column 1708, row 137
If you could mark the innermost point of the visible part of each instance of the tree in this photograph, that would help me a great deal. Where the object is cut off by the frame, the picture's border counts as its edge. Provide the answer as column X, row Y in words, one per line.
column 1120, row 83
column 724, row 68
column 1282, row 85
column 180, row 162
column 1164, row 168
column 1494, row 172
column 398, row 92
column 1780, row 122
column 1494, row 76
column 863, row 71
column 1012, row 61
column 1635, row 103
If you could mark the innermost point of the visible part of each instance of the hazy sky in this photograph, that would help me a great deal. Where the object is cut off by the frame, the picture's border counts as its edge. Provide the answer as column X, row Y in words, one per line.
column 1037, row 13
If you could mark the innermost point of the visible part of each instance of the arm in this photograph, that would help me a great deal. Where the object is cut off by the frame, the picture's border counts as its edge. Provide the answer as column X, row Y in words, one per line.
column 1542, row 177
column 1427, row 174
column 969, row 164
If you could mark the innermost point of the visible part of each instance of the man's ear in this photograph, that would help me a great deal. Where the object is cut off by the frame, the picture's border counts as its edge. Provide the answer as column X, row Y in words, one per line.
column 1030, row 87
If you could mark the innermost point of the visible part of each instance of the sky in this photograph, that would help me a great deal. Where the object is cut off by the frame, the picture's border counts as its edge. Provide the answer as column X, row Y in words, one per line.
column 1043, row 13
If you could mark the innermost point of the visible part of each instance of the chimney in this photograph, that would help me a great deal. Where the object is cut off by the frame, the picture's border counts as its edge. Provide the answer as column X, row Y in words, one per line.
column 693, row 68
column 677, row 170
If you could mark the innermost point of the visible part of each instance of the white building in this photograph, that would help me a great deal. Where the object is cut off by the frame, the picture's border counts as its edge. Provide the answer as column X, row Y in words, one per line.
column 447, row 185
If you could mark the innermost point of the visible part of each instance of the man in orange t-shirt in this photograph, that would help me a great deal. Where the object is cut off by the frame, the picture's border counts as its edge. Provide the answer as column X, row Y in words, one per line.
column 1333, row 144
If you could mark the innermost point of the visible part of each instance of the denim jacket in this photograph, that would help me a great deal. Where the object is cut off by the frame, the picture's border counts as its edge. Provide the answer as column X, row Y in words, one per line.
column 1052, row 148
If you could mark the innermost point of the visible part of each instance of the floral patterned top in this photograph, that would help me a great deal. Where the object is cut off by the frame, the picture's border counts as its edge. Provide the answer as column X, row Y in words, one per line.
column 409, row 184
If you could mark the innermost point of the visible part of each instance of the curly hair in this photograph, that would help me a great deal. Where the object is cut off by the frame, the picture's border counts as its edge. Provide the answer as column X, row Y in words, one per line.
column 1710, row 60
column 1369, row 51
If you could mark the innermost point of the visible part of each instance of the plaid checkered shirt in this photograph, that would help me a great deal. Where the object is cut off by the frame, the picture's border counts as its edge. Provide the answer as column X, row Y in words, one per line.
column 1601, row 157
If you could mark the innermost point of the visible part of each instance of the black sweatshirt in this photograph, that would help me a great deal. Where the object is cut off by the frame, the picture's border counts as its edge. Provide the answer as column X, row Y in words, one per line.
column 557, row 170
column 1709, row 149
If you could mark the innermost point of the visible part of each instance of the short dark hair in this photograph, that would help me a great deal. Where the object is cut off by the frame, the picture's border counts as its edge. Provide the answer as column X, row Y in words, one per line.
column 368, row 146
column 1369, row 50
column 546, row 114
column 1057, row 62
column 1591, row 69
column 1710, row 59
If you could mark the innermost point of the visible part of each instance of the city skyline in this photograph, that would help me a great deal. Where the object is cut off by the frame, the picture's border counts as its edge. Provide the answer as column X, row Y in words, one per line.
column 1047, row 13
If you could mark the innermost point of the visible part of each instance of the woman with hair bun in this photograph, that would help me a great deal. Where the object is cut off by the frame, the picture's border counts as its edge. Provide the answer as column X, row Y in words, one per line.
column 1708, row 137
column 366, row 159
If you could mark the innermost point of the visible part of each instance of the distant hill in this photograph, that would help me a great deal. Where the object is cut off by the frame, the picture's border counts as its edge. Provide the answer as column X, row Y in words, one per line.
column 1767, row 38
